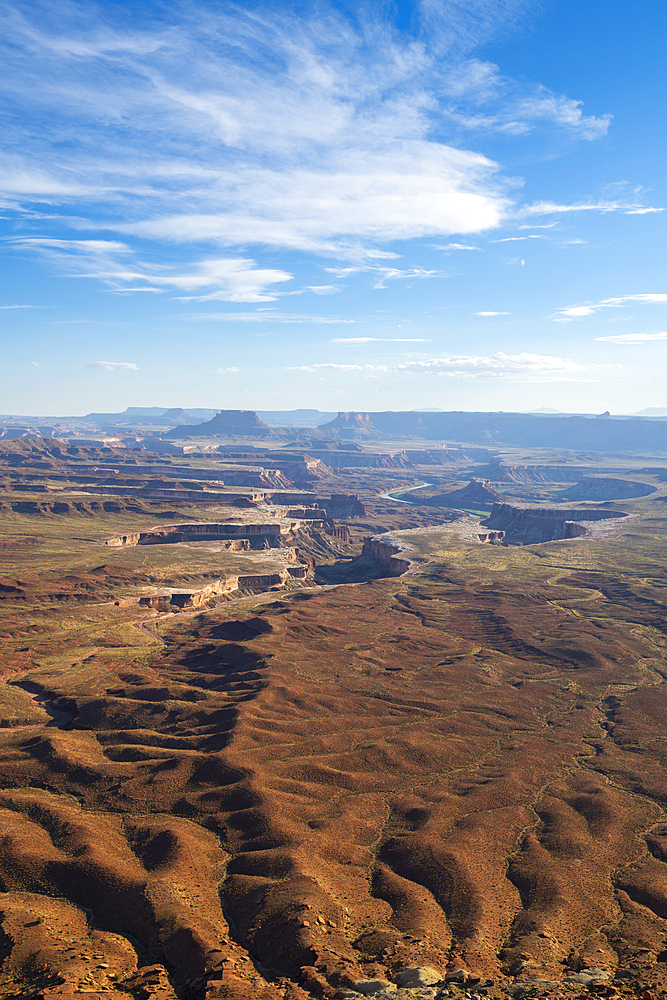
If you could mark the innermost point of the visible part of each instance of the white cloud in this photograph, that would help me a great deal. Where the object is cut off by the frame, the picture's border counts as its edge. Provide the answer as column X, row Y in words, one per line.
column 377, row 340
column 227, row 371
column 36, row 364
column 113, row 366
column 456, row 246
column 513, row 239
column 523, row 367
column 324, row 289
column 114, row 263
column 516, row 367
column 556, row 208
column 562, row 111
column 266, row 317
column 254, row 125
column 20, row 307
column 488, row 312
column 634, row 338
column 578, row 312
column 336, row 368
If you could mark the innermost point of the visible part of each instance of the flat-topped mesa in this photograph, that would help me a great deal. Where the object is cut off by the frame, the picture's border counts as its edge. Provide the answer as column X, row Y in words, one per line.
column 527, row 525
column 352, row 425
column 180, row 600
column 607, row 488
column 238, row 423
column 261, row 535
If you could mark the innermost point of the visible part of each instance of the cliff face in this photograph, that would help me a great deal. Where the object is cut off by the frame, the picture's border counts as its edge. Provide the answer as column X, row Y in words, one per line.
column 385, row 552
column 527, row 525
column 257, row 536
column 344, row 505
column 188, row 599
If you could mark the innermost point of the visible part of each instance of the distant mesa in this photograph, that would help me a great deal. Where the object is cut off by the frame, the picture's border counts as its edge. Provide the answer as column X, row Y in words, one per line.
column 353, row 425
column 294, row 418
column 605, row 488
column 525, row 430
column 651, row 411
column 242, row 423
column 154, row 416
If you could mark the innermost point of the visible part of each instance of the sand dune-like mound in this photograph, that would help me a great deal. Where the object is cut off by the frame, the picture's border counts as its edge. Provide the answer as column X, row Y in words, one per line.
column 438, row 773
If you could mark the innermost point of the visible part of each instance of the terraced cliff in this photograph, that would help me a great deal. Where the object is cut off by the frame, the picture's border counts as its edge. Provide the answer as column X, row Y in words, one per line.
column 527, row 525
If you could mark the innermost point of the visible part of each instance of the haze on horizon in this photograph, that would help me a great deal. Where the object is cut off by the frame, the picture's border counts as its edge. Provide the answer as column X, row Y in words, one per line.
column 438, row 203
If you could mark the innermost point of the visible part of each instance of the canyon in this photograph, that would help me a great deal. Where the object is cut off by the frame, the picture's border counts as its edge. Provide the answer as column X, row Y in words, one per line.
column 310, row 741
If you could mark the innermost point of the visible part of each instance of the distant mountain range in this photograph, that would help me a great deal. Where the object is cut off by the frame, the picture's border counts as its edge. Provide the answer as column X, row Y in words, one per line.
column 644, row 432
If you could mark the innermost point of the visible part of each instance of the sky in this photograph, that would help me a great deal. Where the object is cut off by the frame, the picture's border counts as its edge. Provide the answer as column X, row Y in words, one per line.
column 342, row 205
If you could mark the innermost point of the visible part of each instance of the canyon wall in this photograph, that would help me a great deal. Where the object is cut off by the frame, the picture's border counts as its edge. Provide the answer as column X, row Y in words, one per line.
column 527, row 525
column 191, row 599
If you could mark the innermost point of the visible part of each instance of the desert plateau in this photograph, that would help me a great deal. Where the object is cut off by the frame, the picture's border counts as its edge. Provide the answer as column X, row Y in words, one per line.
column 343, row 674
column 295, row 715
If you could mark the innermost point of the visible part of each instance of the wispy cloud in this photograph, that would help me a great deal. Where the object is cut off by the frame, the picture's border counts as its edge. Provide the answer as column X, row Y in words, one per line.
column 516, row 239
column 227, row 371
column 383, row 273
column 20, row 307
column 113, row 366
column 489, row 312
column 522, row 367
column 265, row 317
column 455, row 246
column 115, row 264
column 557, row 208
column 330, row 366
column 579, row 312
column 378, row 340
column 634, row 338
column 260, row 125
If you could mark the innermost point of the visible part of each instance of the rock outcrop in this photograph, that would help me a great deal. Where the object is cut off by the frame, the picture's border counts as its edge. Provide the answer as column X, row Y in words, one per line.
column 477, row 494
column 385, row 551
column 492, row 537
column 526, row 525
column 344, row 505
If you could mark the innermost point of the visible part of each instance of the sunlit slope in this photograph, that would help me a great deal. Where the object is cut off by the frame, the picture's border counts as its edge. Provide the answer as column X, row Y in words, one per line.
column 462, row 767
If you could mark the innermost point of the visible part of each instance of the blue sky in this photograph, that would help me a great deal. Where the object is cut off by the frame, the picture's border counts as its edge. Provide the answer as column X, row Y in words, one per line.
column 434, row 203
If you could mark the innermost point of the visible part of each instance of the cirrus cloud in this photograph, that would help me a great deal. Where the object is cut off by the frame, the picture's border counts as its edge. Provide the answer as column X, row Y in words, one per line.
column 579, row 312
column 113, row 366
column 319, row 129
column 634, row 338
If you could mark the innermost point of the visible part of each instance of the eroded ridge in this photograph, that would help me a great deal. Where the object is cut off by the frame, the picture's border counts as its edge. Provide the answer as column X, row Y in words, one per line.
column 435, row 772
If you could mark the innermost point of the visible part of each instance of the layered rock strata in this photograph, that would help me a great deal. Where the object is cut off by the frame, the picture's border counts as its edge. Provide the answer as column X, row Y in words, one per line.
column 544, row 524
